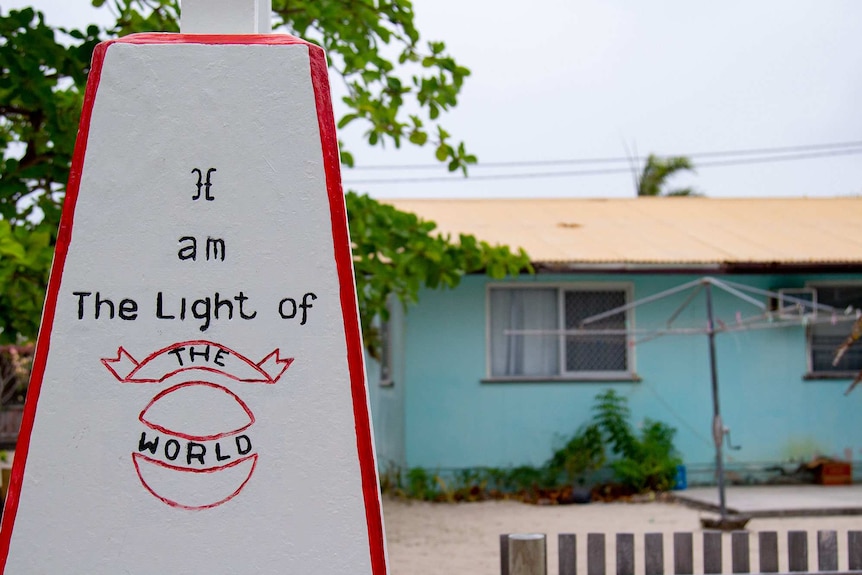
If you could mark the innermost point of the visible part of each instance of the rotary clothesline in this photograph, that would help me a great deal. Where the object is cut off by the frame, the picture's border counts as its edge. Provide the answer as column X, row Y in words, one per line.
column 801, row 312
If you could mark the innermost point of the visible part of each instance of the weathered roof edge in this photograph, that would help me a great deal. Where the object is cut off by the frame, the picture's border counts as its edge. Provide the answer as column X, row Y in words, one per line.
column 729, row 235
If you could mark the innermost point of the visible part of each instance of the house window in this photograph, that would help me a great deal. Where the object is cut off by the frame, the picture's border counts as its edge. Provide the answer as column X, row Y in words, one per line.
column 824, row 338
column 528, row 339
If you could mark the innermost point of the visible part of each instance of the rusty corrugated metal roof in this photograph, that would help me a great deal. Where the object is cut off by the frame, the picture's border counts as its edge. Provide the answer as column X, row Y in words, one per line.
column 677, row 231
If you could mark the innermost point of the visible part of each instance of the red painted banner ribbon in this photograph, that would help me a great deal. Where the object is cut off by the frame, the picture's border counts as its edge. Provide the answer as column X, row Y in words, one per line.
column 197, row 355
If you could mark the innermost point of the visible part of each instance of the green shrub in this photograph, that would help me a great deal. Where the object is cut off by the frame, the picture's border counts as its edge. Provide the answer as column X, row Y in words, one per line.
column 584, row 452
column 646, row 462
column 421, row 484
column 641, row 462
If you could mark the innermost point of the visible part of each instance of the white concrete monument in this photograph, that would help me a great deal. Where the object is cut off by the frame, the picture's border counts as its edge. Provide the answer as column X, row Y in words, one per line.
column 198, row 400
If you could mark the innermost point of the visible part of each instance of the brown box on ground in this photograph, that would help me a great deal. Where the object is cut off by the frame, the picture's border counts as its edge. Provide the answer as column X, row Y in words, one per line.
column 834, row 473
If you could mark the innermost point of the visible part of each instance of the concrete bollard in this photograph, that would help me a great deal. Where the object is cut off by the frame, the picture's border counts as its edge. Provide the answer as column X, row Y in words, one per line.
column 527, row 554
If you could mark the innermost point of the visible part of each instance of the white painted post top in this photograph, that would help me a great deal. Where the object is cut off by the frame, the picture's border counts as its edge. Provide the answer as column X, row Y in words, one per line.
column 226, row 16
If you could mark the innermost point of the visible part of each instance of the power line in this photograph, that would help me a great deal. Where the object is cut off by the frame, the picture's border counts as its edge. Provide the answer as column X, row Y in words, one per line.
column 781, row 158
column 618, row 159
column 604, row 171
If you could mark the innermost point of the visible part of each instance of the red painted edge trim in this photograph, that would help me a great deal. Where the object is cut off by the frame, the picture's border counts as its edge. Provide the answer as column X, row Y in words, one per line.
column 349, row 308
column 343, row 260
column 43, row 343
column 238, row 39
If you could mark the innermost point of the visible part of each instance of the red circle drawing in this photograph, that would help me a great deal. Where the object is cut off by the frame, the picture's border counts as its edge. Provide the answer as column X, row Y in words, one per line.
column 198, row 454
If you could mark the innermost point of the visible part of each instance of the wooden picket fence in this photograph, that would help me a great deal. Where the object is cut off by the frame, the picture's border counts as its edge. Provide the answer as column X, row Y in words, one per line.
column 525, row 554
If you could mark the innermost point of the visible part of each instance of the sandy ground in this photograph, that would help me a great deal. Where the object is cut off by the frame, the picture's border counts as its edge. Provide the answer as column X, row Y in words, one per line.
column 463, row 539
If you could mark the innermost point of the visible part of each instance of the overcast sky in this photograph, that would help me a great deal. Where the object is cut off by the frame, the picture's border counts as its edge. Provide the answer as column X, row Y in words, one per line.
column 583, row 79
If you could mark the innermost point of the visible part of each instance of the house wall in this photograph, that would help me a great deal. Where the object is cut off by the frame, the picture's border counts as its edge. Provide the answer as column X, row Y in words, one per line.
column 451, row 417
column 387, row 399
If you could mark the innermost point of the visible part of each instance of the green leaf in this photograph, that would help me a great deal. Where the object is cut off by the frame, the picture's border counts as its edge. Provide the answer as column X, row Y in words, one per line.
column 346, row 119
column 419, row 138
column 347, row 158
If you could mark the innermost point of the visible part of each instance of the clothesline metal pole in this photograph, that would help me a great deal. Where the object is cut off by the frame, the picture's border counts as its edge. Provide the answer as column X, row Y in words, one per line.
column 717, row 424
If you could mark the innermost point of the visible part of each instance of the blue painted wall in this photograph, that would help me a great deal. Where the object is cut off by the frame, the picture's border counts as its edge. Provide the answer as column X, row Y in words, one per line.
column 442, row 415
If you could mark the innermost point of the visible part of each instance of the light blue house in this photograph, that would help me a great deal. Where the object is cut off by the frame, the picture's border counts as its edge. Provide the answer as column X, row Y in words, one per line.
column 496, row 373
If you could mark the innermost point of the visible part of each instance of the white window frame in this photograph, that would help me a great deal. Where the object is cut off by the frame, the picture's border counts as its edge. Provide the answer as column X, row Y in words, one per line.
column 809, row 335
column 629, row 374
column 788, row 309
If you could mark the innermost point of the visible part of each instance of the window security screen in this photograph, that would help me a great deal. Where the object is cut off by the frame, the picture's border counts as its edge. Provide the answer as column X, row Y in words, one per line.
column 825, row 338
column 526, row 332
column 604, row 352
